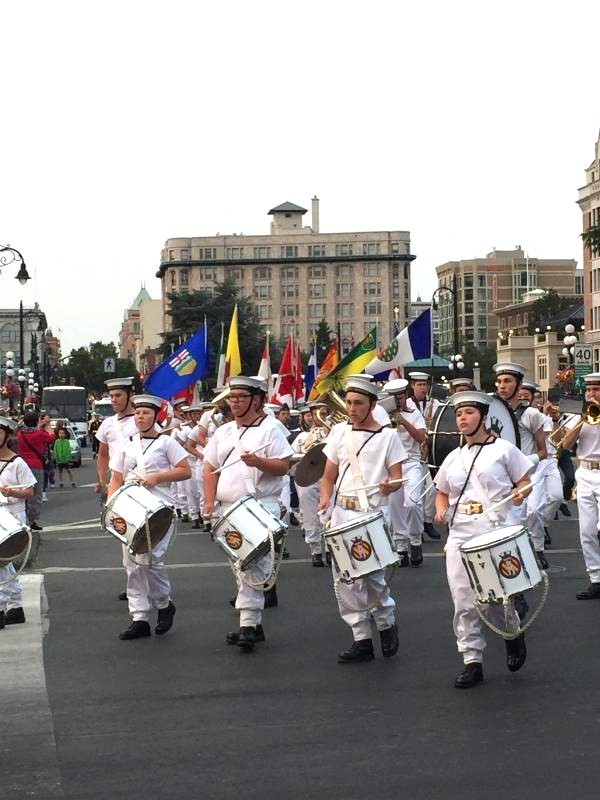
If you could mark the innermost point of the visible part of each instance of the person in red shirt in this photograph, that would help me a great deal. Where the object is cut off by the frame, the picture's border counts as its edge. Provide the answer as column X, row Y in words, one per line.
column 32, row 440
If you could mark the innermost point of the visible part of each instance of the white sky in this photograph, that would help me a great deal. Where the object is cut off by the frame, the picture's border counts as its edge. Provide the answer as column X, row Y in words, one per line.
column 128, row 122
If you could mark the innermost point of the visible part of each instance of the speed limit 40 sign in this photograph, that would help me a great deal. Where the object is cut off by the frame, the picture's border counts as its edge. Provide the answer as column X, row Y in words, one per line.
column 582, row 356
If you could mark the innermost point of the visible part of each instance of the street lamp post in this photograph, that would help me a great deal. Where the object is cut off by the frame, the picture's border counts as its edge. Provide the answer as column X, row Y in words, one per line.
column 22, row 276
column 434, row 306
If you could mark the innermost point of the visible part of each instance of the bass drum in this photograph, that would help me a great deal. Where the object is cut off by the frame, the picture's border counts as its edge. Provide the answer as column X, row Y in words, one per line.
column 444, row 437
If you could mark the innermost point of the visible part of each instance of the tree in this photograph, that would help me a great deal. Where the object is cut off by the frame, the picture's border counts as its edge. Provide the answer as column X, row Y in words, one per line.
column 485, row 358
column 85, row 367
column 323, row 335
column 545, row 308
column 591, row 239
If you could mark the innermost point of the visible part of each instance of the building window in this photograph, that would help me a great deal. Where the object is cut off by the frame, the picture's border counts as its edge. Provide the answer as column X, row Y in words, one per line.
column 372, row 288
column 289, row 311
column 542, row 368
column 185, row 254
column 344, row 310
column 343, row 271
column 318, row 310
column 262, row 252
column 396, row 291
column 208, row 253
column 289, row 251
column 316, row 271
column 344, row 290
column 171, row 255
column 289, row 290
column 395, row 248
column 235, row 252
column 371, row 270
column 173, row 279
column 264, row 312
column 371, row 249
column 372, row 308
column 183, row 278
column 316, row 290
column 237, row 273
column 316, row 250
column 262, row 273
column 368, row 326
column 208, row 274
column 263, row 291
column 289, row 272
column 208, row 291
column 343, row 249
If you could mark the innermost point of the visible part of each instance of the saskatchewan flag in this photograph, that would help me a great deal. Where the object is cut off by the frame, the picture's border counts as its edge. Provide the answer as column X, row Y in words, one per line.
column 353, row 362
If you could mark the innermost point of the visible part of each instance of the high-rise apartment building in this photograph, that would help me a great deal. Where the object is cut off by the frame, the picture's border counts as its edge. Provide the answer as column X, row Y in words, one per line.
column 589, row 203
column 296, row 276
column 483, row 285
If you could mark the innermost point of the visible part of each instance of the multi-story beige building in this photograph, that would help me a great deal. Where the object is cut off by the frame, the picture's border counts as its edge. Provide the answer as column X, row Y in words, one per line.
column 298, row 276
column 589, row 203
column 480, row 286
column 140, row 331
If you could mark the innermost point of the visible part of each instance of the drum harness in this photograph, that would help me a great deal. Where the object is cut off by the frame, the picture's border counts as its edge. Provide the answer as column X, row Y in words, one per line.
column 27, row 529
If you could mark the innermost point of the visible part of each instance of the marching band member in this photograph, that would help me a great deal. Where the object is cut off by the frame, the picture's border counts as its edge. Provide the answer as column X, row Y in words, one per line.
column 196, row 456
column 406, row 510
column 155, row 459
column 461, row 385
column 588, row 487
column 509, row 381
column 552, row 481
column 471, row 479
column 427, row 405
column 14, row 472
column 259, row 472
column 362, row 452
column 179, row 426
column 380, row 415
column 115, row 430
column 308, row 496
column 190, row 488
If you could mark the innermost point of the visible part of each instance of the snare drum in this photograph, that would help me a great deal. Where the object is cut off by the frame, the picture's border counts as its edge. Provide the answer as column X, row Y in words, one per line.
column 14, row 537
column 361, row 546
column 243, row 531
column 501, row 563
column 133, row 512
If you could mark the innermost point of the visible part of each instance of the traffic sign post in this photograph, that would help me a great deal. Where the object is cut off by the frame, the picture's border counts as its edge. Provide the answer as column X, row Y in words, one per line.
column 582, row 363
column 109, row 365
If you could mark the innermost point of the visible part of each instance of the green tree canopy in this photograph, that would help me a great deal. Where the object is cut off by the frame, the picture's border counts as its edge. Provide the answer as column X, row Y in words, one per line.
column 85, row 367
column 324, row 336
column 591, row 239
column 547, row 307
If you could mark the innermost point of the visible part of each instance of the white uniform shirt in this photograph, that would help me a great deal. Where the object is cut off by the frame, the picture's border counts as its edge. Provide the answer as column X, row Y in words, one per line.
column 424, row 406
column 113, row 432
column 380, row 415
column 15, row 473
column 240, row 479
column 498, row 467
column 160, row 455
column 382, row 449
column 588, row 443
column 548, row 428
column 194, row 438
column 414, row 418
column 530, row 422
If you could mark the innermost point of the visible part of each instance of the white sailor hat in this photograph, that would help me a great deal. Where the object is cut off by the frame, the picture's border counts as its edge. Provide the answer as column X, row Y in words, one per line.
column 509, row 368
column 180, row 401
column 361, row 386
column 199, row 406
column 316, row 404
column 533, row 387
column 252, row 384
column 119, row 383
column 147, row 401
column 185, row 408
column 6, row 422
column 460, row 382
column 397, row 386
column 363, row 375
column 592, row 379
column 470, row 399
column 418, row 376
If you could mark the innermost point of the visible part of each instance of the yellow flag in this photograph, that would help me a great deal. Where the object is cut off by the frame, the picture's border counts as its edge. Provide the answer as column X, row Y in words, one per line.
column 233, row 361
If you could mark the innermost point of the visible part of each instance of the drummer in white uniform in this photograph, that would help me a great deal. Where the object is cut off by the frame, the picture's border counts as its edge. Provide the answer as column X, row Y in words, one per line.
column 362, row 452
column 16, row 486
column 259, row 442
column 427, row 405
column 115, row 430
column 472, row 478
column 156, row 461
column 406, row 509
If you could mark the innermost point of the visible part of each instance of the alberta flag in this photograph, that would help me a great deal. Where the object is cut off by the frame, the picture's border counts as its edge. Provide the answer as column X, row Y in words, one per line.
column 188, row 364
column 412, row 343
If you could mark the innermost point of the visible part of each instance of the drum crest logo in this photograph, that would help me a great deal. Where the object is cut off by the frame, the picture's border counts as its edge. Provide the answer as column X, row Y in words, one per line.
column 234, row 539
column 360, row 549
column 509, row 565
column 119, row 525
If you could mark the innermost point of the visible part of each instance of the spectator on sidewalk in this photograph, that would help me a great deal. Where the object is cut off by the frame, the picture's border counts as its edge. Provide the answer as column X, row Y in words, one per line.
column 32, row 440
column 62, row 454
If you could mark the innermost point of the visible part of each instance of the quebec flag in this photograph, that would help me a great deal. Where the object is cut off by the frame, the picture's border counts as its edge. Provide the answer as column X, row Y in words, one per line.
column 188, row 364
column 411, row 344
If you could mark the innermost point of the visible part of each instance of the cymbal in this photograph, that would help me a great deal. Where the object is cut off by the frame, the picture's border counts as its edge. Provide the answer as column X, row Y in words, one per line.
column 311, row 468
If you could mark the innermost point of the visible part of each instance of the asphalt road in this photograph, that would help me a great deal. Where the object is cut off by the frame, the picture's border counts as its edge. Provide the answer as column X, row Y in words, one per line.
column 186, row 716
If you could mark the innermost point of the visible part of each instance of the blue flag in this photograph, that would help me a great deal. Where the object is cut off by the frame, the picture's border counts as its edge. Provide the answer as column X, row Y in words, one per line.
column 311, row 371
column 188, row 364
column 412, row 343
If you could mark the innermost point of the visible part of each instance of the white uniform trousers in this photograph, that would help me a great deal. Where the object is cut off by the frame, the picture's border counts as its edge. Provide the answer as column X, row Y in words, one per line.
column 365, row 598
column 179, row 496
column 429, row 499
column 406, row 511
column 308, row 500
column 11, row 595
column 192, row 495
column 197, row 468
column 286, row 498
column 588, row 506
column 148, row 585
column 553, row 489
column 534, row 505
column 467, row 624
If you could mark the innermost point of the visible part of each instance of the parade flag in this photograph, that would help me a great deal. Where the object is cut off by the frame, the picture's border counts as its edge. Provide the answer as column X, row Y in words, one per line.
column 264, row 371
column 233, row 360
column 311, row 371
column 181, row 369
column 288, row 387
column 221, row 360
column 330, row 362
column 353, row 362
column 412, row 343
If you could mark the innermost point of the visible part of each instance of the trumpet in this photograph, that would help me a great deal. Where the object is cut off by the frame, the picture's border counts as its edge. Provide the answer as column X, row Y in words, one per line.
column 590, row 415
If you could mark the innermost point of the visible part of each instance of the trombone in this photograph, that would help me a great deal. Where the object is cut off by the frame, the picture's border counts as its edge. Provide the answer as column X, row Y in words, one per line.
column 590, row 414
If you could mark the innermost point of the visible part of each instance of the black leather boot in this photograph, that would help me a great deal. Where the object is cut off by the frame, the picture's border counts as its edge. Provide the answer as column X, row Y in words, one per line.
column 234, row 636
column 416, row 555
column 246, row 638
column 516, row 653
column 271, row 597
column 2, row 616
column 543, row 561
column 137, row 630
column 165, row 619
column 14, row 616
column 389, row 641
column 470, row 676
column 591, row 593
column 431, row 531
column 360, row 651
column 404, row 560
column 317, row 560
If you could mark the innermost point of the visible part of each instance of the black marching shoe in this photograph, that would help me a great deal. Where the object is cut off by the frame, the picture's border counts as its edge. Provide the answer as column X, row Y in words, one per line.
column 246, row 638
column 547, row 537
column 360, row 651
column 196, row 524
column 271, row 597
column 294, row 520
column 286, row 554
column 328, row 558
column 591, row 593
column 521, row 606
column 35, row 527
column 2, row 619
column 137, row 630
column 165, row 619
column 317, row 560
column 416, row 555
column 122, row 595
column 542, row 560
column 404, row 560
column 431, row 531
column 564, row 509
column 516, row 652
column 185, row 517
column 14, row 616
column 234, row 636
column 470, row 676
column 389, row 641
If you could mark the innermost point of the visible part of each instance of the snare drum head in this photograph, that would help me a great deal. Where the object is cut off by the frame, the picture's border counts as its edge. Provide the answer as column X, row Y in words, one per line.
column 493, row 537
column 158, row 526
column 502, row 421
column 357, row 522
column 11, row 547
column 443, row 436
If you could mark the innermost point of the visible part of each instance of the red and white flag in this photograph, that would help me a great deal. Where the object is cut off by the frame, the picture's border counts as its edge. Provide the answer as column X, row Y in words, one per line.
column 288, row 388
column 264, row 371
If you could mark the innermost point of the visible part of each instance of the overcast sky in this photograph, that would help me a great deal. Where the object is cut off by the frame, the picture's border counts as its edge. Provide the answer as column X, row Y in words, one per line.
column 128, row 122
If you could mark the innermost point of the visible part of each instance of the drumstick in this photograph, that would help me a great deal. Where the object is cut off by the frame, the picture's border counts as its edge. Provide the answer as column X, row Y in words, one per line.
column 237, row 461
column 511, row 496
column 428, row 489
column 374, row 485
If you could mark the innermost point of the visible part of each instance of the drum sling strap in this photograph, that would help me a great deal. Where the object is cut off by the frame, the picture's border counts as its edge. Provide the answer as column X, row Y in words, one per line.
column 462, row 491
column 355, row 454
column 474, row 477
column 6, row 463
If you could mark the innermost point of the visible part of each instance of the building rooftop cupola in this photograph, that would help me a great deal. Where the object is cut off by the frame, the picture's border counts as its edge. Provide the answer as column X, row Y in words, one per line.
column 287, row 218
